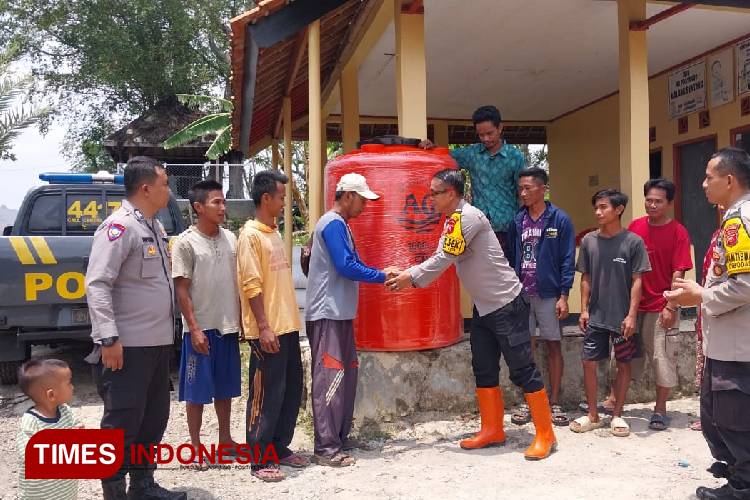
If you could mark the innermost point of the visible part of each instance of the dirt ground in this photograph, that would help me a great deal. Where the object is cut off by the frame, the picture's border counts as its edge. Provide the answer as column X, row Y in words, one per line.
column 421, row 458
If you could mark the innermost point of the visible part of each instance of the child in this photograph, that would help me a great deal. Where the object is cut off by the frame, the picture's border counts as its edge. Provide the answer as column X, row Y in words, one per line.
column 48, row 382
column 611, row 261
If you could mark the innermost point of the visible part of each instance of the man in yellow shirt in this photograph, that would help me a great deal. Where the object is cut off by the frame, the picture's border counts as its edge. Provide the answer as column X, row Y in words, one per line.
column 271, row 322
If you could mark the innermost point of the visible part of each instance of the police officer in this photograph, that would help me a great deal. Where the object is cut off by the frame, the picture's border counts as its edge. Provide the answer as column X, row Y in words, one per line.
column 130, row 300
column 500, row 326
column 725, row 312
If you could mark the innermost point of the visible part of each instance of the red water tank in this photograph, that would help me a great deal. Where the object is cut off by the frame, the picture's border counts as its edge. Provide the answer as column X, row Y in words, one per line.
column 400, row 229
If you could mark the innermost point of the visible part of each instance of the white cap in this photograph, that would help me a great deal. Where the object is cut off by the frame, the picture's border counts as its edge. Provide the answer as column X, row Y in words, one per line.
column 356, row 183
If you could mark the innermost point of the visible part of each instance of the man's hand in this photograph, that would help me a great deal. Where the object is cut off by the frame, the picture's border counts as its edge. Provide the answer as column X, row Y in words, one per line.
column 391, row 272
column 628, row 326
column 403, row 280
column 268, row 341
column 561, row 307
column 684, row 292
column 667, row 318
column 112, row 356
column 199, row 341
column 583, row 321
column 426, row 144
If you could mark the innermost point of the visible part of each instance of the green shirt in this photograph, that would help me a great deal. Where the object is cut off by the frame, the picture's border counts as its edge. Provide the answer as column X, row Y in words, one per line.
column 44, row 489
column 494, row 180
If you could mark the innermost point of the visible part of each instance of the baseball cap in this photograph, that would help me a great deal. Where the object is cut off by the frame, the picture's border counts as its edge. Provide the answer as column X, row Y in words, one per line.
column 357, row 183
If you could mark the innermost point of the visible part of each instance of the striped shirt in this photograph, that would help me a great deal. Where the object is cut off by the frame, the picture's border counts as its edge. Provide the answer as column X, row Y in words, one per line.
column 44, row 489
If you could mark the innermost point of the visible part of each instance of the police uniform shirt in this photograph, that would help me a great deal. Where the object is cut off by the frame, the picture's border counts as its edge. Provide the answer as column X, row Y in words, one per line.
column 469, row 242
column 128, row 282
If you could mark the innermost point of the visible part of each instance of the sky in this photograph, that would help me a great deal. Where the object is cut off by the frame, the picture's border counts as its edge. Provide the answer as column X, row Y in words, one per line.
column 35, row 154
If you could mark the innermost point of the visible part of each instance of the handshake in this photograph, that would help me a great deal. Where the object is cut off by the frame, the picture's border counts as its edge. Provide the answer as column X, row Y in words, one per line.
column 396, row 279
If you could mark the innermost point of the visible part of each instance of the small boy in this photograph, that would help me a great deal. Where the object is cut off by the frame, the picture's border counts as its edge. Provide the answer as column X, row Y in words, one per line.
column 48, row 382
column 611, row 262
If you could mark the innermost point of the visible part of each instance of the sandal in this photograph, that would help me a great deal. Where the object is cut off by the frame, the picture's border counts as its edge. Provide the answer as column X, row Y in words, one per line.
column 559, row 417
column 658, row 422
column 521, row 415
column 619, row 427
column 696, row 426
column 295, row 460
column 268, row 474
column 584, row 424
column 198, row 465
column 337, row 460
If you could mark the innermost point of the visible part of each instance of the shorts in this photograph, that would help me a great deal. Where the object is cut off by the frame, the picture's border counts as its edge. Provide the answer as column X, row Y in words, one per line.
column 596, row 345
column 660, row 347
column 543, row 315
column 204, row 378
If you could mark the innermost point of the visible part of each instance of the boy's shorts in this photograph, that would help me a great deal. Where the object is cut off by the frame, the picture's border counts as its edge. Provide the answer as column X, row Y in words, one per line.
column 596, row 345
column 543, row 315
column 204, row 378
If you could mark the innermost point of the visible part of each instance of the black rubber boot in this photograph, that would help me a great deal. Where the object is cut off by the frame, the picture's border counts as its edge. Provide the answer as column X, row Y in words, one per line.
column 143, row 487
column 723, row 493
column 114, row 490
column 740, row 489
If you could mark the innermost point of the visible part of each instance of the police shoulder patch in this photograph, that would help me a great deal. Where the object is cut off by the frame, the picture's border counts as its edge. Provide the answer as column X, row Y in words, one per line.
column 454, row 242
column 115, row 231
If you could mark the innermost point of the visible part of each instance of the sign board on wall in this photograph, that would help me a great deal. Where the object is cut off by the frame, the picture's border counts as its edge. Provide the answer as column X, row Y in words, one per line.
column 721, row 77
column 743, row 67
column 687, row 90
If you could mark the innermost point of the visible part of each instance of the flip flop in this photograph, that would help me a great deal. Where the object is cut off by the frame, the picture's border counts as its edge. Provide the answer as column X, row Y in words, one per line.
column 658, row 422
column 338, row 460
column 295, row 460
column 619, row 427
column 696, row 426
column 268, row 474
column 584, row 424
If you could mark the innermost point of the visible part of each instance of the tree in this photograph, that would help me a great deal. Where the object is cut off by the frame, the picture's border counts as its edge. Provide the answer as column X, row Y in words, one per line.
column 217, row 122
column 108, row 61
column 14, row 118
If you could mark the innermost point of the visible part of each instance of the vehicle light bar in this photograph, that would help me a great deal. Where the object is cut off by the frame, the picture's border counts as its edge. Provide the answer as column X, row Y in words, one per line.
column 102, row 176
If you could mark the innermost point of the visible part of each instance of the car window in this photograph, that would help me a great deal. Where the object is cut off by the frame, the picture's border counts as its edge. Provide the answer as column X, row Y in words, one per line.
column 83, row 212
column 114, row 200
column 45, row 214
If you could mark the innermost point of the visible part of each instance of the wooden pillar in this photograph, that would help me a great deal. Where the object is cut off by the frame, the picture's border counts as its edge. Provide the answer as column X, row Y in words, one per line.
column 411, row 74
column 288, row 214
column 315, row 137
column 275, row 160
column 349, row 87
column 441, row 133
column 634, row 107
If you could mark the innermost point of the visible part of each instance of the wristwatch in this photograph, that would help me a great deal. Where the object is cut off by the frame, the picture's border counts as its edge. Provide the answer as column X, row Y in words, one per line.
column 109, row 341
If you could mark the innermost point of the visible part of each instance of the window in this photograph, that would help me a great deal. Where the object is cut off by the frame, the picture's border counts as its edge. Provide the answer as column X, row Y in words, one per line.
column 114, row 200
column 83, row 212
column 45, row 214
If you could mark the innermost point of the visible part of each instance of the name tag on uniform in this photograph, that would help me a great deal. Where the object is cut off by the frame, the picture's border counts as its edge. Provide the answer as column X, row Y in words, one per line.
column 550, row 232
column 150, row 251
column 454, row 243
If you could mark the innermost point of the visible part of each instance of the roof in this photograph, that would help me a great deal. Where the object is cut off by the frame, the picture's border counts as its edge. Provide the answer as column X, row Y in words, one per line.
column 145, row 134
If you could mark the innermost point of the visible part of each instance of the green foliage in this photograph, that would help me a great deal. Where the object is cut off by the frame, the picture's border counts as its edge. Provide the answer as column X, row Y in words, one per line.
column 108, row 61
column 218, row 124
column 14, row 118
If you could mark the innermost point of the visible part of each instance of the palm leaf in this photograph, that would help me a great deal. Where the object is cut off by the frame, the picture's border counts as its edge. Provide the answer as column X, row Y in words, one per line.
column 13, row 122
column 206, row 102
column 209, row 124
column 221, row 144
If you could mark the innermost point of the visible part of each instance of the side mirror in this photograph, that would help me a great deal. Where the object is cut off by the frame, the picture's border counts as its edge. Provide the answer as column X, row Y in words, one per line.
column 7, row 230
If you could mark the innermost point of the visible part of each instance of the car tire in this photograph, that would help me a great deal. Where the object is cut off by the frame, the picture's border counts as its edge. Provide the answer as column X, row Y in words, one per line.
column 9, row 372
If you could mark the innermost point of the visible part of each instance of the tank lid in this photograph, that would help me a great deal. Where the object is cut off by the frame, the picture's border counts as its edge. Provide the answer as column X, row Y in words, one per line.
column 390, row 140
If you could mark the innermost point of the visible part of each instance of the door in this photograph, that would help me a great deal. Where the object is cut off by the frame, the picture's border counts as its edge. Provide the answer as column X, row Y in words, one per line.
column 696, row 214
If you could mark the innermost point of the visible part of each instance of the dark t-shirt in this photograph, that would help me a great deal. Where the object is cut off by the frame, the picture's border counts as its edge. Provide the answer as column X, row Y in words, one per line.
column 611, row 262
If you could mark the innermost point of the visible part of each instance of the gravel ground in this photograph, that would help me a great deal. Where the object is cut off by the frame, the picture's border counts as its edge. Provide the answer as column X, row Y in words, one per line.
column 421, row 458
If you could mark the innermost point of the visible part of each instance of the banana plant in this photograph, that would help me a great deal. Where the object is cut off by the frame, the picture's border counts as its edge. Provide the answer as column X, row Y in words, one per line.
column 218, row 122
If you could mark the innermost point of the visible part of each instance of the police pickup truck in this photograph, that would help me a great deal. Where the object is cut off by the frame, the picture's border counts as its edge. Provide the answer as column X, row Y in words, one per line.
column 43, row 260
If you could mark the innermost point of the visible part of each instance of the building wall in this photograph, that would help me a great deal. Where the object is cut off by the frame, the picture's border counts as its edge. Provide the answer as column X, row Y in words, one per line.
column 585, row 143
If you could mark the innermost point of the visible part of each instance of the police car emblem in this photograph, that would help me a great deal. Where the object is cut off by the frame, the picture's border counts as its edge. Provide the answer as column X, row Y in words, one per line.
column 115, row 231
